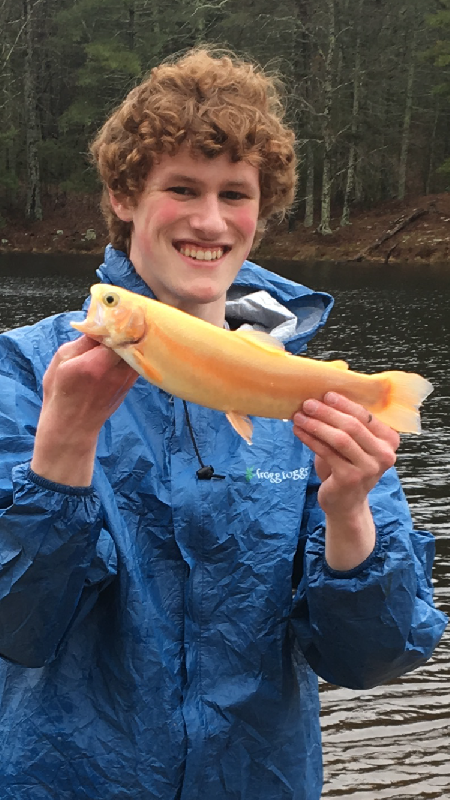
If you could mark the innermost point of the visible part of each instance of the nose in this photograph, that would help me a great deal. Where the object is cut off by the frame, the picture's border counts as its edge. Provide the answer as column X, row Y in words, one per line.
column 207, row 218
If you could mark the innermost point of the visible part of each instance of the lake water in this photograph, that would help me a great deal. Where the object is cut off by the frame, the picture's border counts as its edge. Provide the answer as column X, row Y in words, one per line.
column 393, row 742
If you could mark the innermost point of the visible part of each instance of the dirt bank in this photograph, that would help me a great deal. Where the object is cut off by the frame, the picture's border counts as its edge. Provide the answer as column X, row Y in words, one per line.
column 414, row 230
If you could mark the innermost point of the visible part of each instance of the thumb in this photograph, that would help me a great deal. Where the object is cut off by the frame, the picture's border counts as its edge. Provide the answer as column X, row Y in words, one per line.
column 322, row 468
column 76, row 348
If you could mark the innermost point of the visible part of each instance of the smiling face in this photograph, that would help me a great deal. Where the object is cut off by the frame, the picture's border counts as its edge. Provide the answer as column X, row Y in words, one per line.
column 192, row 228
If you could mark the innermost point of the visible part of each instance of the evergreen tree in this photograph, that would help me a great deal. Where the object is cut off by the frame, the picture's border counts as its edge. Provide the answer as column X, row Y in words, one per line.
column 367, row 88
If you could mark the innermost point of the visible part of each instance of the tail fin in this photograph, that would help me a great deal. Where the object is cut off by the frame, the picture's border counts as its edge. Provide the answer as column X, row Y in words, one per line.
column 408, row 391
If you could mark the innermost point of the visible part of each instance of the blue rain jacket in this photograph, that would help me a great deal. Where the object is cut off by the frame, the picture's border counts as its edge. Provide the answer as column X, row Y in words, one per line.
column 151, row 645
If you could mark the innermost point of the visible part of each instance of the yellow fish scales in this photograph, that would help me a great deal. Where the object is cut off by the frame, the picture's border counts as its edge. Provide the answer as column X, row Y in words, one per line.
column 240, row 373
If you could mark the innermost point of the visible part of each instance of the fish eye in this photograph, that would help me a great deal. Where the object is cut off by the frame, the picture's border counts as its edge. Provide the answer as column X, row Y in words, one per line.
column 110, row 299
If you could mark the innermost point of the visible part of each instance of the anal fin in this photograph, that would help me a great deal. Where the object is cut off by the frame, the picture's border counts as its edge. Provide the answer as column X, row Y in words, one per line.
column 241, row 424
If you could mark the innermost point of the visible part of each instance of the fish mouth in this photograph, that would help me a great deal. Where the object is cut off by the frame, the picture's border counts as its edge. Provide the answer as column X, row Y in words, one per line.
column 90, row 328
column 93, row 325
column 103, row 336
column 131, row 333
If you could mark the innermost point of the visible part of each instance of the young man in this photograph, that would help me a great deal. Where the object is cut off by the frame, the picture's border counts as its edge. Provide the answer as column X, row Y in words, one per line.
column 152, row 644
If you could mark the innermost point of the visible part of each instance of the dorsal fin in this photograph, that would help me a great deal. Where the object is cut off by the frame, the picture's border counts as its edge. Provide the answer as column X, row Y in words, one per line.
column 262, row 340
column 338, row 364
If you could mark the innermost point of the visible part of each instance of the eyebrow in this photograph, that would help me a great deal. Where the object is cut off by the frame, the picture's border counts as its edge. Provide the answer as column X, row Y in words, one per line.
column 179, row 177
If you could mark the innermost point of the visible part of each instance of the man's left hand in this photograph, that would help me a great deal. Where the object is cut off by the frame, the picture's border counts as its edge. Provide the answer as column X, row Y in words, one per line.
column 353, row 449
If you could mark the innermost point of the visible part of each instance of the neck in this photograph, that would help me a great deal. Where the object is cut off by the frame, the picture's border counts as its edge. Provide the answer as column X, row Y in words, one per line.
column 214, row 312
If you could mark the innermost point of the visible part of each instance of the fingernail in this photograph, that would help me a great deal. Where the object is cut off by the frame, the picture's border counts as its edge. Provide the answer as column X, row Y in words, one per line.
column 331, row 398
column 310, row 406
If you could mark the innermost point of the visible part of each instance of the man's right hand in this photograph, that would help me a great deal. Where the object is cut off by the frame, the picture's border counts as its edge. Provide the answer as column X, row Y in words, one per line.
column 84, row 384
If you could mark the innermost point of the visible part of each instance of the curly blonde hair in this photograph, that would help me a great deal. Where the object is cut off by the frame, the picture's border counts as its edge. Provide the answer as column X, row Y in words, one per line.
column 216, row 104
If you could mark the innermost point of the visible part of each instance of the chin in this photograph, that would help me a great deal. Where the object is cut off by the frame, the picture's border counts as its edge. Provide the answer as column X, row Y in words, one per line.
column 205, row 294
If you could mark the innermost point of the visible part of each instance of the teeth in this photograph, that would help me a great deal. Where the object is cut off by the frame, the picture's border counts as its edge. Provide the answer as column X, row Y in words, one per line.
column 201, row 255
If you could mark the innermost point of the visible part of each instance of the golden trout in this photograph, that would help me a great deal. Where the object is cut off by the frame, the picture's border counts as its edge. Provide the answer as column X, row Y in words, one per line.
column 240, row 373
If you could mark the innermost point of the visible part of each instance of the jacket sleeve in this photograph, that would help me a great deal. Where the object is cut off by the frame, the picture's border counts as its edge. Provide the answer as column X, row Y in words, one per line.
column 373, row 623
column 55, row 555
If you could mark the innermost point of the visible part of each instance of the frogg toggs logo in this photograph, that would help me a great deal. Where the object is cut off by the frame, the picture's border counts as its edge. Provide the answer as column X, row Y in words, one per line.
column 252, row 473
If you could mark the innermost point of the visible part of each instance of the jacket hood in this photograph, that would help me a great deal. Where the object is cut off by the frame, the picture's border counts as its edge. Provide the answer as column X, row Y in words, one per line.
column 257, row 299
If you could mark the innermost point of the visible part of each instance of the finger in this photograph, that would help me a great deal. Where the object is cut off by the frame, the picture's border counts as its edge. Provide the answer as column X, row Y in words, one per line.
column 319, row 447
column 123, row 390
column 102, row 358
column 358, row 479
column 369, row 420
column 82, row 344
column 371, row 435
column 95, row 370
column 332, row 444
column 346, row 436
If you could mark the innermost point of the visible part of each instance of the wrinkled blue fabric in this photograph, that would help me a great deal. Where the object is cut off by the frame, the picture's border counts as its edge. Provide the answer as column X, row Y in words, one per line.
column 151, row 645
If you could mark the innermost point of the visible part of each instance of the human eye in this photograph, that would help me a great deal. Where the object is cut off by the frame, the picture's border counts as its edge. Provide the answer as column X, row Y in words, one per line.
column 230, row 194
column 184, row 191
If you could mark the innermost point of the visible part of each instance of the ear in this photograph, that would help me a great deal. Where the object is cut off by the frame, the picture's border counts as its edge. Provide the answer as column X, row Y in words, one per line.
column 121, row 206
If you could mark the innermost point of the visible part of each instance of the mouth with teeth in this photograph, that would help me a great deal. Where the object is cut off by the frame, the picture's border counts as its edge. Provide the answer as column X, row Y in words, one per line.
column 202, row 253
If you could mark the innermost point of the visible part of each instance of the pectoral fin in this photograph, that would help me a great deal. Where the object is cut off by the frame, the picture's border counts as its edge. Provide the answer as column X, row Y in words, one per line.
column 241, row 424
column 146, row 369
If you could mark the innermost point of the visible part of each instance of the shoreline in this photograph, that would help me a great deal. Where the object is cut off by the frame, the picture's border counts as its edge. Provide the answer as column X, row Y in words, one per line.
column 415, row 231
column 264, row 258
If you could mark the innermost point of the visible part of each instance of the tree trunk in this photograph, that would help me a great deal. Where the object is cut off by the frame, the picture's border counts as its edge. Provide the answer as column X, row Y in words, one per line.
column 431, row 149
column 10, row 125
column 309, row 188
column 350, row 184
column 325, row 218
column 407, row 118
column 33, row 207
column 300, row 59
column 324, row 226
column 131, row 26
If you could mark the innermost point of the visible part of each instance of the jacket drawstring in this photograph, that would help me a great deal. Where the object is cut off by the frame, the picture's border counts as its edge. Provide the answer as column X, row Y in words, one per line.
column 205, row 473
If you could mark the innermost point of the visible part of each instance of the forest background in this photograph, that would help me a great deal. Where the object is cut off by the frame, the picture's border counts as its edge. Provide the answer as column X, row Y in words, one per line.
column 367, row 91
